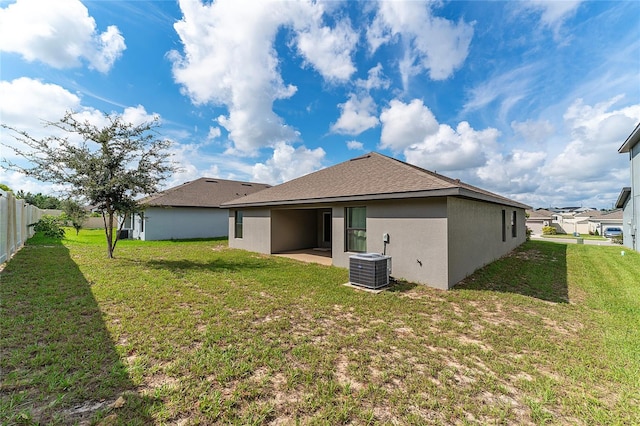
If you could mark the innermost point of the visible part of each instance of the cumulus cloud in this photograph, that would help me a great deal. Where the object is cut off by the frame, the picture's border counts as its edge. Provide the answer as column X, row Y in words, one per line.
column 355, row 145
column 59, row 33
column 431, row 43
column 596, row 132
column 229, row 59
column 453, row 149
column 515, row 173
column 357, row 115
column 404, row 124
column 375, row 80
column 288, row 163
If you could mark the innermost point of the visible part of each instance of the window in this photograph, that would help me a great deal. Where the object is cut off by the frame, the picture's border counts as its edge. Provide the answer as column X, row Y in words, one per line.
column 514, row 227
column 356, row 229
column 504, row 225
column 238, row 224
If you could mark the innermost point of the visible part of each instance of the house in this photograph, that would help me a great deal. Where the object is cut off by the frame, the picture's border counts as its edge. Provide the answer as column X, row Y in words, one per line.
column 437, row 230
column 629, row 199
column 190, row 210
column 538, row 219
column 601, row 221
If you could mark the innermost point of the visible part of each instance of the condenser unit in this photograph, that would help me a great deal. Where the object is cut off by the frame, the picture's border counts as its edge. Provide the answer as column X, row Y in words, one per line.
column 370, row 270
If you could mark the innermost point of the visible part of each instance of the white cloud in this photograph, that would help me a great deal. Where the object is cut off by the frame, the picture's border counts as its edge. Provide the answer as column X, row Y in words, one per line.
column 229, row 59
column 355, row 145
column 59, row 33
column 375, row 79
column 288, row 163
column 357, row 115
column 449, row 149
column 515, row 173
column 552, row 13
column 596, row 133
column 431, row 43
column 138, row 115
column 214, row 133
column 329, row 50
column 533, row 131
column 27, row 104
column 404, row 125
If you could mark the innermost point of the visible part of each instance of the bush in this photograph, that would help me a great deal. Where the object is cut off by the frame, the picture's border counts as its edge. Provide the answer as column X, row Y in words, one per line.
column 529, row 231
column 597, row 234
column 549, row 230
column 50, row 226
column 617, row 239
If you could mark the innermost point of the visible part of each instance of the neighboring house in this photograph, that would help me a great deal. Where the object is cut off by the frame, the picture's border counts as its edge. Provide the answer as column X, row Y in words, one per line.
column 538, row 219
column 629, row 199
column 190, row 210
column 601, row 221
column 438, row 230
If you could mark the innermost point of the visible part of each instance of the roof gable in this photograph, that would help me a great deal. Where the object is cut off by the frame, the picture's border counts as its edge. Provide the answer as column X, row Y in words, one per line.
column 371, row 176
column 203, row 192
column 631, row 141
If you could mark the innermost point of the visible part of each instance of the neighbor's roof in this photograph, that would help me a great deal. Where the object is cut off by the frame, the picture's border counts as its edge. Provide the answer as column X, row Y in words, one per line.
column 203, row 192
column 370, row 177
column 623, row 197
column 612, row 215
column 631, row 141
column 540, row 214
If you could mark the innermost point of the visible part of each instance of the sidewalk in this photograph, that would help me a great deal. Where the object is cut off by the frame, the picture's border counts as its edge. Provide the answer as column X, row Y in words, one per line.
column 572, row 240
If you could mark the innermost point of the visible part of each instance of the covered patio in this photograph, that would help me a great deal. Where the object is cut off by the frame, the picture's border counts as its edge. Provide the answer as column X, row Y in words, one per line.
column 316, row 255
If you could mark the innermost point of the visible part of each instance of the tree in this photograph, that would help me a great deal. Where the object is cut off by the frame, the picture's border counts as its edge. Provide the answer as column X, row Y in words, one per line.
column 75, row 213
column 5, row 187
column 108, row 167
column 39, row 200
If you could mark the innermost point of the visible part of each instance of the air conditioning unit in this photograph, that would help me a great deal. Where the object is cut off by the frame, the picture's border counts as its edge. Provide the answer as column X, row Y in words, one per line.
column 370, row 270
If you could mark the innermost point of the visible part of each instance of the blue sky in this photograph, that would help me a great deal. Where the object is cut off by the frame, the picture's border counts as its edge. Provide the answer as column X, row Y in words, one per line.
column 529, row 99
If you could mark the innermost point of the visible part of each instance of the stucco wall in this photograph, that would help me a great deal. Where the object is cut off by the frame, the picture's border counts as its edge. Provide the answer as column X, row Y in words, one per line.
column 475, row 235
column 183, row 223
column 256, row 230
column 293, row 229
column 634, row 228
column 417, row 238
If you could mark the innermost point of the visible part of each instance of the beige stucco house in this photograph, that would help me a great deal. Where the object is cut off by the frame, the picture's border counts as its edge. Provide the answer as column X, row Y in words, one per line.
column 437, row 230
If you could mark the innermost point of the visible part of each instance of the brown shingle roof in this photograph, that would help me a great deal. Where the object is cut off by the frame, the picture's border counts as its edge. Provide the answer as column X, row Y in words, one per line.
column 203, row 192
column 372, row 176
column 540, row 214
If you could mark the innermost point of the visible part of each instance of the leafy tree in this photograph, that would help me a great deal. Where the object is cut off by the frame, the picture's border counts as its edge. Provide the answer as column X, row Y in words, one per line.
column 5, row 187
column 39, row 200
column 75, row 213
column 50, row 226
column 108, row 167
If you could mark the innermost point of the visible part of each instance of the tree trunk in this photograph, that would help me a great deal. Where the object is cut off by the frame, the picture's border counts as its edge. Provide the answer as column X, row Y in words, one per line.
column 108, row 230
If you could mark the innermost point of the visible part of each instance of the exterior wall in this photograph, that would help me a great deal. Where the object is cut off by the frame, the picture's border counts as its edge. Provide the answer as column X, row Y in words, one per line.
column 475, row 235
column 634, row 199
column 417, row 238
column 181, row 223
column 256, row 233
column 293, row 229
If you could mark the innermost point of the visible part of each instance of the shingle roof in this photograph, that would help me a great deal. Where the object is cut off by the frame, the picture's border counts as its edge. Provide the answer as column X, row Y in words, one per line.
column 203, row 192
column 540, row 214
column 369, row 177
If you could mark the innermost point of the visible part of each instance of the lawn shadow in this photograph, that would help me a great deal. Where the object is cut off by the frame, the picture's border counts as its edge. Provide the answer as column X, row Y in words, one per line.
column 400, row 286
column 535, row 269
column 58, row 362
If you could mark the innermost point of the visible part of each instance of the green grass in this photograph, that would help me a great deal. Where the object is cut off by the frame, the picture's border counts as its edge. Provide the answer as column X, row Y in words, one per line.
column 192, row 332
column 583, row 236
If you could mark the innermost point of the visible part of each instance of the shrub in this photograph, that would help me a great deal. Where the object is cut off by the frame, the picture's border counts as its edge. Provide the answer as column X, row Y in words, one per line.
column 549, row 230
column 617, row 239
column 50, row 226
column 597, row 234
column 529, row 231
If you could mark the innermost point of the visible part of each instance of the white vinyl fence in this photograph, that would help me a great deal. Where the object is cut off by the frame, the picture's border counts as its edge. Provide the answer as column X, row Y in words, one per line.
column 15, row 216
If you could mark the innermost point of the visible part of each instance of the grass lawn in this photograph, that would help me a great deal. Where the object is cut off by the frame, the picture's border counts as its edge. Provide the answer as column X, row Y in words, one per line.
column 583, row 236
column 193, row 332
